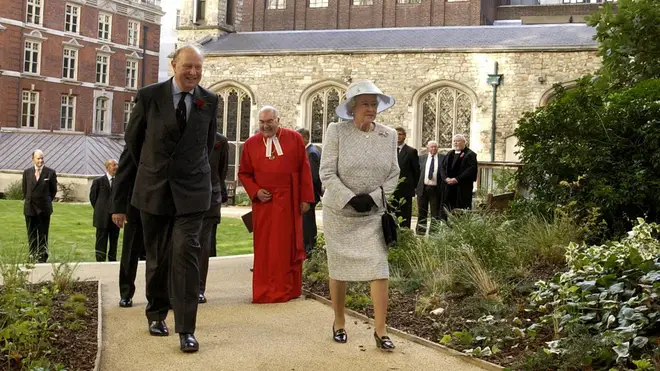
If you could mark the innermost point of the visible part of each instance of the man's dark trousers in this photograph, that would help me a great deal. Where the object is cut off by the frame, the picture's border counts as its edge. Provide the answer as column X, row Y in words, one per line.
column 209, row 230
column 182, row 258
column 37, row 230
column 430, row 195
column 131, row 251
column 111, row 233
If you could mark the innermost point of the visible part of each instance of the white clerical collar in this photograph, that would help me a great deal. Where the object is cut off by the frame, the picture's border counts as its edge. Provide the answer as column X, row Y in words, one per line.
column 270, row 141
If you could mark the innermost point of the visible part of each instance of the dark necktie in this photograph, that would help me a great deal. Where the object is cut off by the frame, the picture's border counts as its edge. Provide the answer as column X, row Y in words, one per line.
column 111, row 180
column 398, row 150
column 181, row 112
column 431, row 167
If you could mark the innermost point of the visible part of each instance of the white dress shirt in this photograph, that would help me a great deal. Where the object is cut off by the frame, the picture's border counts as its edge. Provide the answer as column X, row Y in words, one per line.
column 434, row 179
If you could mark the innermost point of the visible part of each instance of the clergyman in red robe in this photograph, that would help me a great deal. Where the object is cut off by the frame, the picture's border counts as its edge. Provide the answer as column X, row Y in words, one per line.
column 275, row 173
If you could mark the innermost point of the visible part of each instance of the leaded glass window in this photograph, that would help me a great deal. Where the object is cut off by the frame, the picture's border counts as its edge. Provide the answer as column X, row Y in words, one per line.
column 445, row 112
column 322, row 106
column 234, row 114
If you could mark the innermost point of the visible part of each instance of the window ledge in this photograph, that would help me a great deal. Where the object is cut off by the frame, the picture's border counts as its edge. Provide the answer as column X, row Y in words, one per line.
column 101, row 85
column 71, row 81
column 31, row 75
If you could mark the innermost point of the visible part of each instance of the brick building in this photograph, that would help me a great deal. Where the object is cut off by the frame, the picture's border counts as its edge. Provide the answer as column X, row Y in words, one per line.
column 203, row 17
column 75, row 65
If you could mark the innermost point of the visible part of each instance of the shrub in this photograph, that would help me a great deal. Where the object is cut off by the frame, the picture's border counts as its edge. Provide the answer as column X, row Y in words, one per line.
column 612, row 291
column 14, row 191
column 66, row 191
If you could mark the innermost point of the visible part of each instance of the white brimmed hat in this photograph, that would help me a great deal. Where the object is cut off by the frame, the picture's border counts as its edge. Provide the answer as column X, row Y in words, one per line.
column 362, row 88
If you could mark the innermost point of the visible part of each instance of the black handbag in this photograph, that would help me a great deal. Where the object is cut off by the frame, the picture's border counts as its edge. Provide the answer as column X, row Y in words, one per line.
column 390, row 225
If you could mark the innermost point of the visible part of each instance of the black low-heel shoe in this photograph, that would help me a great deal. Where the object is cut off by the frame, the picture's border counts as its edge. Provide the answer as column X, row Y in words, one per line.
column 340, row 335
column 384, row 343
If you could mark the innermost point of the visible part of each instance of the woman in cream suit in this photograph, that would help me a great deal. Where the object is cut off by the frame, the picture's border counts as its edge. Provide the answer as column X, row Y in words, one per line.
column 359, row 170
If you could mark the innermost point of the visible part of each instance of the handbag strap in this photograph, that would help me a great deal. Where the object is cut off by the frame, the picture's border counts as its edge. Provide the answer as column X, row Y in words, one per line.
column 383, row 193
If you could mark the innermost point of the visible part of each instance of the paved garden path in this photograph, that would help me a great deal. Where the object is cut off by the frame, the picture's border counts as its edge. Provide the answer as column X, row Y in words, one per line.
column 237, row 335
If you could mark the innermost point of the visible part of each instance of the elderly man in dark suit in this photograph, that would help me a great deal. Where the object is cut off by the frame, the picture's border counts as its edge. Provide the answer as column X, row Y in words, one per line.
column 100, row 196
column 207, row 239
column 408, row 178
column 169, row 138
column 459, row 172
column 39, row 190
column 429, row 188
column 309, row 218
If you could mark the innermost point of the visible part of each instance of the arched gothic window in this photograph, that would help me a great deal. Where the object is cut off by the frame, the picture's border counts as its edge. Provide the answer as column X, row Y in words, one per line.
column 234, row 110
column 321, row 108
column 445, row 112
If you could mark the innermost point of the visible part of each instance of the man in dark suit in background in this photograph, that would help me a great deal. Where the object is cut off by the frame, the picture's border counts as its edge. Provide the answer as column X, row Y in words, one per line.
column 207, row 239
column 169, row 138
column 39, row 190
column 408, row 178
column 429, row 188
column 309, row 218
column 459, row 172
column 132, row 248
column 100, row 196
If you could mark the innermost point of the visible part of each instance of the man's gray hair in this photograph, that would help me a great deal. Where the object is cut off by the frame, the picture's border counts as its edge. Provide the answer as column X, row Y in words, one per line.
column 109, row 161
column 37, row 151
column 270, row 109
column 431, row 142
column 194, row 46
column 460, row 137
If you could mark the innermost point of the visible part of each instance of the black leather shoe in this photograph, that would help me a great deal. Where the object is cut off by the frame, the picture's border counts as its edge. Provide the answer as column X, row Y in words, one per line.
column 384, row 343
column 188, row 343
column 126, row 303
column 339, row 335
column 158, row 328
column 201, row 299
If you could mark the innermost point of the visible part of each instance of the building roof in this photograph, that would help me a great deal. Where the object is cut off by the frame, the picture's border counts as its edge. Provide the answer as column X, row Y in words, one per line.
column 73, row 154
column 406, row 39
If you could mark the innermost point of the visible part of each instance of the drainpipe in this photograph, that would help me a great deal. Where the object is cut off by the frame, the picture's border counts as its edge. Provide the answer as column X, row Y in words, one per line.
column 494, row 80
column 144, row 53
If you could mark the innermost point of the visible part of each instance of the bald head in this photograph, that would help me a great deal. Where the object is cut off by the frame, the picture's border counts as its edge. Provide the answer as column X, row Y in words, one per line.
column 187, row 66
column 111, row 166
column 38, row 158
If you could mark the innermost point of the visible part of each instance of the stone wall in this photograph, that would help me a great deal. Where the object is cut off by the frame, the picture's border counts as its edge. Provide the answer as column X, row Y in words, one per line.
column 284, row 80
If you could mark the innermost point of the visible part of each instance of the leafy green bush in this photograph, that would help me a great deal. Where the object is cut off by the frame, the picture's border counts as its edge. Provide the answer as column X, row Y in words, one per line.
column 599, row 143
column 315, row 268
column 14, row 191
column 613, row 291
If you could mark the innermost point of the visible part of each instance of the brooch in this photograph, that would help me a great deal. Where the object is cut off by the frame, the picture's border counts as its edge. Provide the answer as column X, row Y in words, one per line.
column 383, row 134
column 200, row 103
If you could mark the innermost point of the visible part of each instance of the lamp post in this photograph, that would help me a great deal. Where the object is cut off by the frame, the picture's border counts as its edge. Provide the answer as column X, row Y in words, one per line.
column 494, row 80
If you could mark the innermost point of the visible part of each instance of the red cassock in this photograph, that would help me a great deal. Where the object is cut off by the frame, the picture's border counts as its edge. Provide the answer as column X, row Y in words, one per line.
column 277, row 224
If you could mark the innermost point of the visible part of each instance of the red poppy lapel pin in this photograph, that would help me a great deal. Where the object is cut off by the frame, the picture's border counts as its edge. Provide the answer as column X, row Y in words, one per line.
column 200, row 103
column 217, row 145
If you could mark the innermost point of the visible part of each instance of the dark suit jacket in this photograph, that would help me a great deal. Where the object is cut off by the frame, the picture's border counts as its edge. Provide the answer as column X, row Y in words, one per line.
column 219, row 165
column 39, row 194
column 465, row 173
column 100, row 196
column 409, row 169
column 422, row 167
column 314, row 156
column 172, row 168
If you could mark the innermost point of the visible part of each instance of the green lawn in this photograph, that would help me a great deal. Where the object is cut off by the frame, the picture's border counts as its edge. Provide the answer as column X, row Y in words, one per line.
column 71, row 236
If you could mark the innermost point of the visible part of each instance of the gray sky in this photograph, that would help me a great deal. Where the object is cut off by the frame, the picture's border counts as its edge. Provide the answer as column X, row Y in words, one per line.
column 167, row 36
